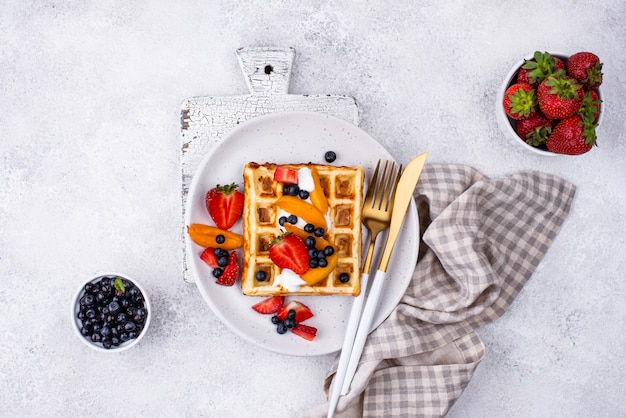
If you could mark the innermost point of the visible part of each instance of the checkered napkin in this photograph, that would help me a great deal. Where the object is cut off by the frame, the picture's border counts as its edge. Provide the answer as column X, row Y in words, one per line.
column 482, row 239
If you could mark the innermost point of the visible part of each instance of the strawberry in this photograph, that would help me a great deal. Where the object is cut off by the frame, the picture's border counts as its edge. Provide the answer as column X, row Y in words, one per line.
column 225, row 205
column 586, row 68
column 305, row 331
column 536, row 70
column 520, row 101
column 559, row 97
column 229, row 276
column 302, row 311
column 534, row 130
column 572, row 136
column 270, row 305
column 209, row 257
column 590, row 109
column 286, row 175
column 289, row 252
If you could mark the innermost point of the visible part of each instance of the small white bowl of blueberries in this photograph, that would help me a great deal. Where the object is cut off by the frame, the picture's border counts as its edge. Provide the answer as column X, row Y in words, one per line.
column 111, row 312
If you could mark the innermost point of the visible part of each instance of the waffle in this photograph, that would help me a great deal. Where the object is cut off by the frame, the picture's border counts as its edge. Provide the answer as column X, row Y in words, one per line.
column 343, row 187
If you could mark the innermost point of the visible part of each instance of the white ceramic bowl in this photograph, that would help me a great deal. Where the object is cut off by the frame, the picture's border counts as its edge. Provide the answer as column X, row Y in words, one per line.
column 77, row 323
column 506, row 123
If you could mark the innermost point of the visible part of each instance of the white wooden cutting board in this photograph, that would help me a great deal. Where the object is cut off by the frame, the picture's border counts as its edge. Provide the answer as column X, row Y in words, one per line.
column 205, row 120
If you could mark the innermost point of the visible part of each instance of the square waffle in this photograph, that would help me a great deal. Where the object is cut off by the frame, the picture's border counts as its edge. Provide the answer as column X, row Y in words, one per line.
column 343, row 188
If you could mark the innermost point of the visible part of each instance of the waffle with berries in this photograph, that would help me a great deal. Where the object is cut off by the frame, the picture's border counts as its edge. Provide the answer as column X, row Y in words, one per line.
column 343, row 191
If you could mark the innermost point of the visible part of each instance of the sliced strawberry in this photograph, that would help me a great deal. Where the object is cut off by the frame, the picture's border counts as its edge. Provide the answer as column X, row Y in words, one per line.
column 289, row 252
column 209, row 257
column 286, row 175
column 232, row 258
column 225, row 205
column 229, row 276
column 270, row 305
column 209, row 195
column 305, row 331
column 302, row 311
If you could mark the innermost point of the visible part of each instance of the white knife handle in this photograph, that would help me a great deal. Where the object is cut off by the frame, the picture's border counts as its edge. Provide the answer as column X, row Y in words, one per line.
column 348, row 342
column 364, row 328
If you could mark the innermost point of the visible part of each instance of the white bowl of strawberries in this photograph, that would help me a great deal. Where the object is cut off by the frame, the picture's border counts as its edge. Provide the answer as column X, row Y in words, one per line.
column 551, row 103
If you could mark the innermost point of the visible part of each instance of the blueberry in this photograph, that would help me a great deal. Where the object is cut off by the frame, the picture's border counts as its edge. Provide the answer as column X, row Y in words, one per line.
column 287, row 189
column 330, row 156
column 312, row 253
column 294, row 190
column 132, row 335
column 291, row 314
column 275, row 320
column 319, row 232
column 90, row 313
column 89, row 287
column 313, row 263
column 282, row 220
column 115, row 341
column 95, row 337
column 310, row 242
column 309, row 228
column 220, row 239
column 260, row 276
column 88, row 299
column 329, row 250
column 129, row 326
column 217, row 272
column 114, row 307
column 107, row 344
column 322, row 262
column 303, row 194
column 290, row 322
column 121, row 317
column 105, row 331
column 292, row 219
column 124, row 336
column 281, row 328
column 344, row 277
column 222, row 261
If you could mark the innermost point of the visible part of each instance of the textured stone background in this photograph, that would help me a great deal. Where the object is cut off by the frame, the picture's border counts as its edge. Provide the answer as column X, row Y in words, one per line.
column 89, row 127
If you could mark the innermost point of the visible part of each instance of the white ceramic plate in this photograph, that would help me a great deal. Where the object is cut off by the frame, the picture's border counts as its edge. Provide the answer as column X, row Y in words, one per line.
column 293, row 137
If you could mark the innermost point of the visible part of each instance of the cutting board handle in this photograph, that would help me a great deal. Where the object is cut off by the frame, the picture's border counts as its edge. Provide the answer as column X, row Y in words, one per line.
column 267, row 69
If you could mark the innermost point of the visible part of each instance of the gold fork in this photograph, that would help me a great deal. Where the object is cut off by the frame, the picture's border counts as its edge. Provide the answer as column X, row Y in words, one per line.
column 376, row 216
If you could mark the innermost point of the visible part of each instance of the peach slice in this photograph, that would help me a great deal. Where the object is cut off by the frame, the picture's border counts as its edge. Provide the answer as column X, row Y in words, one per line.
column 300, row 208
column 313, row 276
column 206, row 236
column 317, row 194
column 296, row 231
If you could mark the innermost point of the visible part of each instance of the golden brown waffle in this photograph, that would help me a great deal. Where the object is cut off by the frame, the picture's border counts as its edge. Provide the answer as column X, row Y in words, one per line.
column 343, row 187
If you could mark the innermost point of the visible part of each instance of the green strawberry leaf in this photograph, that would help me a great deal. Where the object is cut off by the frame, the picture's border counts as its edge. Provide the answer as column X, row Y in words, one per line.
column 119, row 285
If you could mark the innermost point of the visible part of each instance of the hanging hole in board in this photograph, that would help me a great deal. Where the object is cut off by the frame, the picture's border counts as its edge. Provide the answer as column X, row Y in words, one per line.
column 268, row 69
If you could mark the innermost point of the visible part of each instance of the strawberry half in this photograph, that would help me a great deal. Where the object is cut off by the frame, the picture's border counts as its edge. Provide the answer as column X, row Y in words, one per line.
column 229, row 276
column 289, row 252
column 286, row 175
column 302, row 311
column 225, row 205
column 209, row 257
column 305, row 331
column 270, row 305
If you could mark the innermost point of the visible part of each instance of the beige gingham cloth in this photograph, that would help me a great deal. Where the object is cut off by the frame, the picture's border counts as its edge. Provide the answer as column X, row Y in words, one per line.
column 482, row 239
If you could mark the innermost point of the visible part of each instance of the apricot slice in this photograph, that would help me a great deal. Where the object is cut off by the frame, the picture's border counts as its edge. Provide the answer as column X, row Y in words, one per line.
column 317, row 196
column 296, row 231
column 300, row 208
column 206, row 236
column 314, row 275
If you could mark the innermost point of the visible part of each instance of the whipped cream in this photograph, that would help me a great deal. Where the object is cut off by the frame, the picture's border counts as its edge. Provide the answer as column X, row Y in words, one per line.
column 305, row 179
column 289, row 280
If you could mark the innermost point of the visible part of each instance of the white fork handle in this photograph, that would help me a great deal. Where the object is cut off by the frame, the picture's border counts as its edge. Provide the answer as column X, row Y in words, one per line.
column 348, row 342
column 364, row 328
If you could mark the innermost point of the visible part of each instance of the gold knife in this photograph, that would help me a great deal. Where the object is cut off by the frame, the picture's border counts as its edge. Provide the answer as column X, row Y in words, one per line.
column 404, row 194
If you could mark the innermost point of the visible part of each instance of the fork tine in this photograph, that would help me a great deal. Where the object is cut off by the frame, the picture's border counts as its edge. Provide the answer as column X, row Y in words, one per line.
column 372, row 187
column 381, row 189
